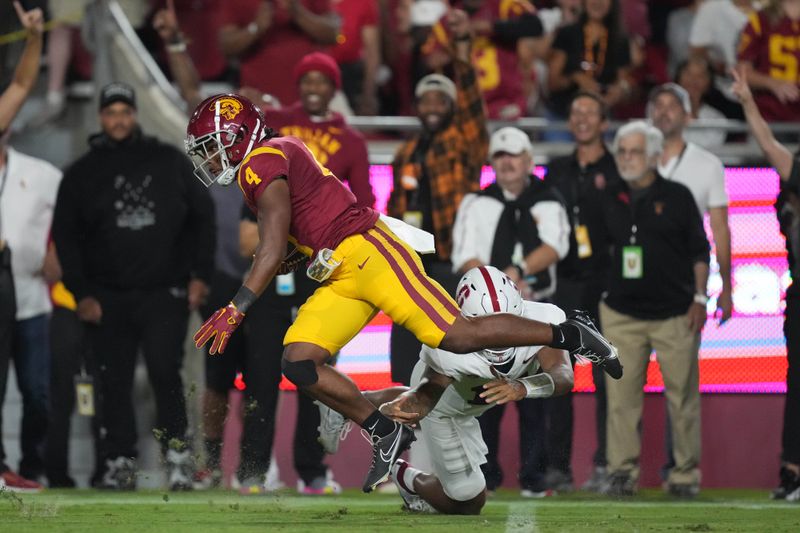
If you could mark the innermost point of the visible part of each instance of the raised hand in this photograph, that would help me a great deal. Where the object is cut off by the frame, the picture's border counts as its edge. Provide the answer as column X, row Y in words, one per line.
column 165, row 22
column 32, row 20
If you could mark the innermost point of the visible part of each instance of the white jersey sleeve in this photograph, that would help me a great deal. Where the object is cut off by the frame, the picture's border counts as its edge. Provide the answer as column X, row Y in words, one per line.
column 552, row 225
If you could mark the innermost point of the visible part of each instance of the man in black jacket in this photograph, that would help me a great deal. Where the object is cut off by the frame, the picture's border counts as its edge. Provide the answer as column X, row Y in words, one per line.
column 580, row 178
column 135, row 235
column 656, row 300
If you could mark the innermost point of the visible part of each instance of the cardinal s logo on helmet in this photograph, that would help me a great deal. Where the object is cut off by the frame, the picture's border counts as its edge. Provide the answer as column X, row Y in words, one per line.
column 486, row 291
column 228, row 107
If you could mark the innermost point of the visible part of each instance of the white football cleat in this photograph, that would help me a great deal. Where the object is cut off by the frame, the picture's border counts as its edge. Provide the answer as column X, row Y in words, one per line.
column 333, row 428
column 411, row 500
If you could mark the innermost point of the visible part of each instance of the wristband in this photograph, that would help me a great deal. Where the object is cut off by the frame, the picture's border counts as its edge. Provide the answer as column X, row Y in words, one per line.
column 252, row 28
column 701, row 299
column 176, row 48
column 243, row 299
column 538, row 385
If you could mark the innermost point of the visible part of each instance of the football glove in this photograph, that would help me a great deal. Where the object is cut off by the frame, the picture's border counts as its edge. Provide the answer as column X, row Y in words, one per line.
column 221, row 326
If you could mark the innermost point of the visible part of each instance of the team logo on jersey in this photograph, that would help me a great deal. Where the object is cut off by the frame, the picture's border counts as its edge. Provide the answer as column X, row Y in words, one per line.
column 228, row 107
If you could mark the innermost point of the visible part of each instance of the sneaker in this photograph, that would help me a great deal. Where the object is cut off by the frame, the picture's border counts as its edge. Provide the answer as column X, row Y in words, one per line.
column 180, row 470
column 594, row 347
column 789, row 488
column 256, row 485
column 319, row 486
column 411, row 500
column 619, row 484
column 60, row 481
column 119, row 474
column 333, row 428
column 684, row 491
column 534, row 493
column 558, row 480
column 385, row 452
column 207, row 478
column 13, row 482
column 597, row 480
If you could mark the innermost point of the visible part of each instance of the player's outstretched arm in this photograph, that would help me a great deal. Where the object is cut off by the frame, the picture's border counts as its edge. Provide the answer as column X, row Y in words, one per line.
column 555, row 379
column 414, row 404
column 274, row 213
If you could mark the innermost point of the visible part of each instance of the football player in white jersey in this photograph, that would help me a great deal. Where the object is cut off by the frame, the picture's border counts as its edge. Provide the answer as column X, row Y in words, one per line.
column 449, row 391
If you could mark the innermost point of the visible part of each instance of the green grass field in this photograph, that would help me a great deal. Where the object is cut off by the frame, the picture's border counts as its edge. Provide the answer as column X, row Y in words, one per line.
column 82, row 511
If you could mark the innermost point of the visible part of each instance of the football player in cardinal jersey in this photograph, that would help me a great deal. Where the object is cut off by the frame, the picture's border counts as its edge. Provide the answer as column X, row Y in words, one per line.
column 450, row 391
column 363, row 267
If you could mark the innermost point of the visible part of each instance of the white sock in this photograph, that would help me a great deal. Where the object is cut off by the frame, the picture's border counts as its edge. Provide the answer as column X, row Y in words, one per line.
column 408, row 478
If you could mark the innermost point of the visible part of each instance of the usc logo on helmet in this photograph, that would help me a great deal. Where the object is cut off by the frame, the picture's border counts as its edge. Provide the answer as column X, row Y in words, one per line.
column 228, row 107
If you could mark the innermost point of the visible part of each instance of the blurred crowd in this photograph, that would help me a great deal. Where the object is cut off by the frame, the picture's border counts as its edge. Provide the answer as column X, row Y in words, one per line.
column 615, row 230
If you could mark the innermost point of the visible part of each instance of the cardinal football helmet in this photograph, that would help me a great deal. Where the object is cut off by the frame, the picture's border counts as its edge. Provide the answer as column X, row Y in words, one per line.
column 221, row 132
column 486, row 290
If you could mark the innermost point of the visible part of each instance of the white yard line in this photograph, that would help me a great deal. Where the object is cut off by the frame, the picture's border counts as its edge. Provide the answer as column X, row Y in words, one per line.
column 521, row 518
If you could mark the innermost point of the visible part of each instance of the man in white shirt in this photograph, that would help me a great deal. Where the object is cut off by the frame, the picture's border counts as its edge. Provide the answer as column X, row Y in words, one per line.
column 698, row 169
column 28, row 189
column 450, row 391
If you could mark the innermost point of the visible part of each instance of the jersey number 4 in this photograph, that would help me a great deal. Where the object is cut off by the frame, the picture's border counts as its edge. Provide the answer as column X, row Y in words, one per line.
column 251, row 177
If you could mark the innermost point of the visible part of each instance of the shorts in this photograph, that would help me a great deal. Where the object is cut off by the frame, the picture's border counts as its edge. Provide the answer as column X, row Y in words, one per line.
column 455, row 445
column 378, row 271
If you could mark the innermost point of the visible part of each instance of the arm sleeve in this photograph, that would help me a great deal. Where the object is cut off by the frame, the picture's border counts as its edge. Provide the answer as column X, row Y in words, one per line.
column 260, row 170
column 696, row 239
column 717, row 197
column 68, row 232
column 553, row 226
column 471, row 116
column 510, row 30
column 359, row 174
column 750, row 40
column 201, row 223
column 465, row 241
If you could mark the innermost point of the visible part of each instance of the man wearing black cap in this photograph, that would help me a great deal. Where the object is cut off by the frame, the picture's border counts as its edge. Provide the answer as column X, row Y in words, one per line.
column 135, row 236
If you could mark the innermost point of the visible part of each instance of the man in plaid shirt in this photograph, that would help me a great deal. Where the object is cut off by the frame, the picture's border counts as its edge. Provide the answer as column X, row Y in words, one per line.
column 435, row 169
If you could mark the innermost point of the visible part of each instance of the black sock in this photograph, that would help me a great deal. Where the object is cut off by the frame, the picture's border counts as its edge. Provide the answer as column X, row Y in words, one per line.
column 377, row 425
column 213, row 453
column 565, row 337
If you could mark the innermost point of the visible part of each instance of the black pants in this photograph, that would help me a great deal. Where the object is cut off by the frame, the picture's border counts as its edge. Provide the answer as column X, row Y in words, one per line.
column 70, row 352
column 155, row 322
column 266, row 326
column 404, row 346
column 584, row 295
column 8, row 312
column 221, row 368
column 791, row 414
column 532, row 444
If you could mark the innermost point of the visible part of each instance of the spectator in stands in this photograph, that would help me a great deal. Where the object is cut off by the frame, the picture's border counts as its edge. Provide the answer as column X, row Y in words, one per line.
column 270, row 37
column 699, row 170
column 656, row 300
column 69, row 15
column 714, row 35
column 695, row 75
column 591, row 55
column 679, row 27
column 135, row 236
column 518, row 225
column 27, row 197
column 358, row 53
column 770, row 63
column 200, row 19
column 501, row 52
column 11, row 100
column 437, row 167
column 788, row 210
column 269, row 319
column 317, row 77
column 580, row 178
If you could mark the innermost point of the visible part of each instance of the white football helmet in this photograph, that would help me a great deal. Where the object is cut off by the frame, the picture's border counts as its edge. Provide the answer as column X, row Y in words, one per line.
column 486, row 290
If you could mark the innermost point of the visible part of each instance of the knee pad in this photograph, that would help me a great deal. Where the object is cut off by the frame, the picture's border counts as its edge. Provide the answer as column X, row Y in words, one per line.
column 302, row 373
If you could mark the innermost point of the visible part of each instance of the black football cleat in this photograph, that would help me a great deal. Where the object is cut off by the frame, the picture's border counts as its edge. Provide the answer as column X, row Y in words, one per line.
column 594, row 347
column 385, row 452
